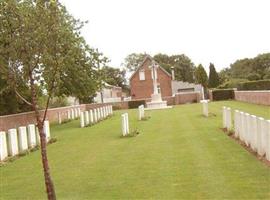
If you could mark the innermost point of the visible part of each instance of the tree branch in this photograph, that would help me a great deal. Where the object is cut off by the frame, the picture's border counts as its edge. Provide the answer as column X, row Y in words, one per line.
column 22, row 98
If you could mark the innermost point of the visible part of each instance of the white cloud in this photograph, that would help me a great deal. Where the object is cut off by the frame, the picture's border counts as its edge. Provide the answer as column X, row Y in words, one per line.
column 218, row 31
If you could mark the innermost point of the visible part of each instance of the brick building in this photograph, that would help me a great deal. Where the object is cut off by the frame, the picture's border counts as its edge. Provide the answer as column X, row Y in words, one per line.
column 141, row 81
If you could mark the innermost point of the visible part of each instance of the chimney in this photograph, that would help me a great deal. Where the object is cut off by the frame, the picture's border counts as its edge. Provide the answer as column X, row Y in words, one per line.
column 173, row 77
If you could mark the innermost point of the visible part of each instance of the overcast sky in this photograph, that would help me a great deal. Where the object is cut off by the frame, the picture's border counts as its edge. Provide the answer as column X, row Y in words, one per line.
column 218, row 31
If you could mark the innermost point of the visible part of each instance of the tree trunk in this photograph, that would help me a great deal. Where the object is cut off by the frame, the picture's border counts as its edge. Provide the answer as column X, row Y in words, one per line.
column 43, row 146
column 48, row 180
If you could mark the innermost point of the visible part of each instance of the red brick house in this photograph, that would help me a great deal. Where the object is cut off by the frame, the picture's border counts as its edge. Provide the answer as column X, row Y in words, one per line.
column 141, row 81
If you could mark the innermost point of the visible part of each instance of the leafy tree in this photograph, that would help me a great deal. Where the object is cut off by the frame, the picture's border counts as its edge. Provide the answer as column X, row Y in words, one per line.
column 201, row 76
column 133, row 61
column 114, row 76
column 213, row 76
column 183, row 67
column 224, row 75
column 41, row 47
column 251, row 68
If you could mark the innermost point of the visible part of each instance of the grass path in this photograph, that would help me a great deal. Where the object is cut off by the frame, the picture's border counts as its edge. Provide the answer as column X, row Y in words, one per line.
column 178, row 155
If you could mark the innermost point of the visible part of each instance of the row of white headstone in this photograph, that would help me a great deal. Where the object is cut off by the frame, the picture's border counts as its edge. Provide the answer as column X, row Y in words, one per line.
column 252, row 130
column 15, row 142
column 72, row 114
column 125, row 124
column 141, row 112
column 95, row 115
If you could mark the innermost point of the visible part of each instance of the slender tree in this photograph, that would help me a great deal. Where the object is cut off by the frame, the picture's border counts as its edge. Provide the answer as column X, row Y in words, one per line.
column 41, row 46
column 213, row 76
column 201, row 76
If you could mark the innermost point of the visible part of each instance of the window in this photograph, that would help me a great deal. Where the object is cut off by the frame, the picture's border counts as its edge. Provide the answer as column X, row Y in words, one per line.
column 141, row 75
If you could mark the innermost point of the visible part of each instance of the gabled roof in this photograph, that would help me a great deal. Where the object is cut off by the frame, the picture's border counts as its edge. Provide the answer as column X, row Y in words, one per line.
column 144, row 60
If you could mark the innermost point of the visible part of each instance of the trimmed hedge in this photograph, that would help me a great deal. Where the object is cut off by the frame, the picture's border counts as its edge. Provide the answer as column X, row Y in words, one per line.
column 220, row 94
column 254, row 85
column 136, row 104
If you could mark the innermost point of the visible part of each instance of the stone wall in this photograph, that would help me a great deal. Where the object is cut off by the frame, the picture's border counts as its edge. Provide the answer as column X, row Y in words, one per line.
column 23, row 119
column 188, row 97
column 261, row 97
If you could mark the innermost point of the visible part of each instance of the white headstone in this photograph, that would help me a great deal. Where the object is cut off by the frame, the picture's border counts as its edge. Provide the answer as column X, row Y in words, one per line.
column 245, row 133
column 101, row 113
column 124, row 133
column 127, row 123
column 253, row 133
column 228, row 119
column 141, row 112
column 205, row 107
column 37, row 136
column 76, row 112
column 59, row 118
column 22, row 139
column 268, row 141
column 250, row 129
column 107, row 111
column 95, row 115
column 98, row 114
column 31, row 136
column 236, row 123
column 82, row 120
column 242, row 126
column 86, row 114
column 264, row 135
column 72, row 114
column 104, row 112
column 224, row 112
column 91, row 116
column 259, row 135
column 68, row 115
column 47, row 130
column 12, row 142
column 3, row 146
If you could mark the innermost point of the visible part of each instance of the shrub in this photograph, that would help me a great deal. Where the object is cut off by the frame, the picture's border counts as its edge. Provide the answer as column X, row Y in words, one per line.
column 136, row 103
column 255, row 85
column 233, row 83
column 222, row 94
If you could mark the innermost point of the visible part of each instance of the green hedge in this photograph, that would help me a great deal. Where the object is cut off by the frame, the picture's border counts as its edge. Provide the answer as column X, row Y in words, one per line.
column 135, row 104
column 254, row 85
column 220, row 94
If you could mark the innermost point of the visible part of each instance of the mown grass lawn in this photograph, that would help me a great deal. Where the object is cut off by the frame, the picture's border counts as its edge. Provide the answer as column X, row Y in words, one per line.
column 179, row 154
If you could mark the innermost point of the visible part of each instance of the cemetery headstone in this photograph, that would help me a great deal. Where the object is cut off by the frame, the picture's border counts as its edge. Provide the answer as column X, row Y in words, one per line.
column 82, row 121
column 59, row 118
column 86, row 118
column 31, row 136
column 22, row 139
column 259, row 135
column 3, row 146
column 12, row 142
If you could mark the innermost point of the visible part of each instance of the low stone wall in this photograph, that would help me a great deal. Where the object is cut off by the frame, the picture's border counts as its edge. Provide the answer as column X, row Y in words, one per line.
column 188, row 97
column 261, row 97
column 23, row 119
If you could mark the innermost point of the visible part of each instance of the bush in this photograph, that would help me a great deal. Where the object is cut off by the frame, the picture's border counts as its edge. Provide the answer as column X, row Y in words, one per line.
column 233, row 83
column 255, row 85
column 136, row 104
column 220, row 94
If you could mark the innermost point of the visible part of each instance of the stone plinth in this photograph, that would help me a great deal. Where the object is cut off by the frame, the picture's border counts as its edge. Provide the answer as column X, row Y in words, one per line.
column 156, row 103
